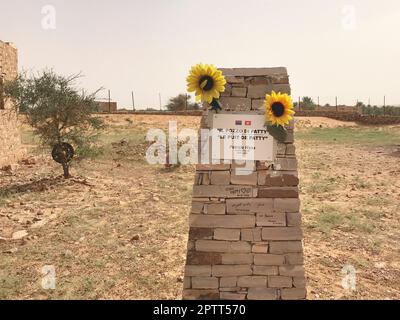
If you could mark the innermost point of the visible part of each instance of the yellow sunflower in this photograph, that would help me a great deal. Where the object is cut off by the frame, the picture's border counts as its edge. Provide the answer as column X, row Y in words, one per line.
column 206, row 81
column 278, row 108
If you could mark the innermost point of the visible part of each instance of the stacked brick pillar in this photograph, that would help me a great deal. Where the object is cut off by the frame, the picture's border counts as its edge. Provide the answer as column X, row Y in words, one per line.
column 245, row 238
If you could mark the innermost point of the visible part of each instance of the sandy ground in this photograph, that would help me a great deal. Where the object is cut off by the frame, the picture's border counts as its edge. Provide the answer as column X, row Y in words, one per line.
column 118, row 229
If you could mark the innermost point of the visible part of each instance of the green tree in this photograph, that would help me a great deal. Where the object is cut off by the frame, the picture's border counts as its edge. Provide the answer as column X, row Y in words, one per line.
column 307, row 103
column 182, row 102
column 58, row 111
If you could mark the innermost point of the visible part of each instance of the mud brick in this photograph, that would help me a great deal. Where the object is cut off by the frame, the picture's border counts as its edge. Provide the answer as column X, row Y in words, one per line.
column 260, row 248
column 299, row 282
column 205, row 179
column 280, row 247
column 239, row 92
column 271, row 219
column 291, row 271
column 251, row 234
column 198, row 271
column 212, row 246
column 234, row 103
column 294, row 258
column 203, row 258
column 221, row 178
column 271, row 192
column 293, row 219
column 287, row 205
column 227, row 234
column 257, row 104
column 260, row 80
column 268, row 260
column 287, row 164
column 213, row 167
column 201, row 294
column 265, row 270
column 263, row 165
column 229, row 271
column 228, row 91
column 262, row 294
column 197, row 207
column 277, row 180
column 224, row 191
column 281, row 233
column 219, row 221
column 249, row 206
column 204, row 283
column 280, row 80
column 258, row 91
column 232, row 296
column 289, row 138
column 197, row 179
column 279, row 282
column 244, row 178
column 290, row 149
column 232, row 258
column 190, row 245
column 228, row 282
column 223, row 246
column 215, row 208
column 252, row 281
column 281, row 149
column 290, row 179
column 187, row 283
column 254, row 72
column 282, row 88
column 200, row 233
column 200, row 200
column 293, row 294
column 234, row 80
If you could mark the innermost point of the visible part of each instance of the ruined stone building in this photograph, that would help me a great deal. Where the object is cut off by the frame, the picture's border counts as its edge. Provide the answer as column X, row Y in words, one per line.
column 10, row 140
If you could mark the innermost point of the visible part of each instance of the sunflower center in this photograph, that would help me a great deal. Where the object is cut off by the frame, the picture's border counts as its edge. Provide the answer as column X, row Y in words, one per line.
column 278, row 109
column 206, row 83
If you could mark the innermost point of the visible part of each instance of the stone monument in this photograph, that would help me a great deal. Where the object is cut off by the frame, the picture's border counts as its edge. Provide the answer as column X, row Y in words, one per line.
column 245, row 237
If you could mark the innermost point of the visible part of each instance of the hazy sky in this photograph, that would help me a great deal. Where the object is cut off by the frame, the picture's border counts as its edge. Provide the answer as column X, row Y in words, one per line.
column 346, row 48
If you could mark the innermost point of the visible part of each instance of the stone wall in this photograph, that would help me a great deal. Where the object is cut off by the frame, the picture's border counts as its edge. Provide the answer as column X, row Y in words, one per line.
column 353, row 117
column 107, row 107
column 10, row 141
column 245, row 237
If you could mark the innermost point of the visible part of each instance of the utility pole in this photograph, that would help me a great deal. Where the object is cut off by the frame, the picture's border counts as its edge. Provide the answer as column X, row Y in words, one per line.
column 133, row 101
column 299, row 103
column 318, row 101
column 186, row 102
column 384, row 105
column 109, row 101
column 159, row 98
column 369, row 101
column 336, row 103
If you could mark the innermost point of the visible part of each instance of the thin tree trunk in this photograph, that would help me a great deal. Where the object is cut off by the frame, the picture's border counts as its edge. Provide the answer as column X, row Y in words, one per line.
column 66, row 170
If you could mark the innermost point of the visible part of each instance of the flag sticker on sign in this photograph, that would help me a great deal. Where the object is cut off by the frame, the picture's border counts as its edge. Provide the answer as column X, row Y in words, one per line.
column 248, row 123
column 238, row 122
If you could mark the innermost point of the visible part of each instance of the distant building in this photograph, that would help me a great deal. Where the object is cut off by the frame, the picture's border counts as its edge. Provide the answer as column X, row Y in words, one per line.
column 105, row 106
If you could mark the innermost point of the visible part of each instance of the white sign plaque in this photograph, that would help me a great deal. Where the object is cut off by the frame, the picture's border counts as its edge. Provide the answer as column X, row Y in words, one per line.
column 241, row 137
